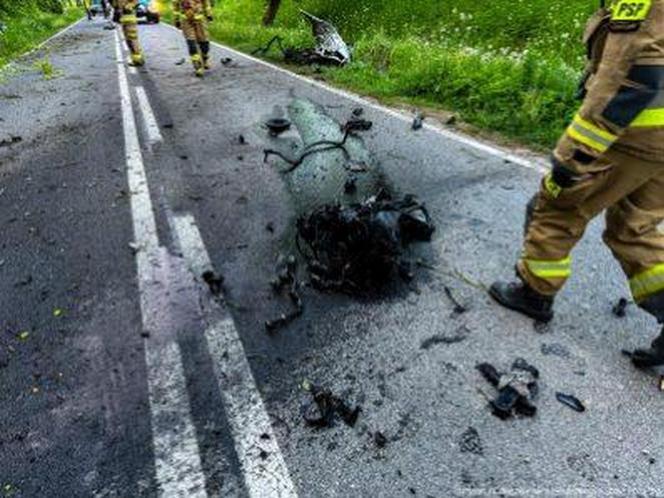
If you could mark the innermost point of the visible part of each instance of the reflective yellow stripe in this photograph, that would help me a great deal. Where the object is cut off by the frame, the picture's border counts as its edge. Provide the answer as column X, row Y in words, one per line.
column 591, row 135
column 649, row 118
column 648, row 283
column 128, row 19
column 550, row 269
column 199, row 17
column 551, row 186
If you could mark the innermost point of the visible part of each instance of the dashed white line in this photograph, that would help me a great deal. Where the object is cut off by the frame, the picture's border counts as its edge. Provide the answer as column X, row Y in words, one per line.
column 177, row 458
column 488, row 149
column 149, row 121
column 263, row 465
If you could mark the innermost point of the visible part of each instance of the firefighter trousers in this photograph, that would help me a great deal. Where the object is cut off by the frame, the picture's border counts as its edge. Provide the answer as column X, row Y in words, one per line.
column 196, row 33
column 631, row 191
column 130, row 29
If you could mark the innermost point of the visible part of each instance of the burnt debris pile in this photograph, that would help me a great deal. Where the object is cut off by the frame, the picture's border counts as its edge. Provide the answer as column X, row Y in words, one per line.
column 330, row 48
column 324, row 408
column 517, row 389
column 360, row 248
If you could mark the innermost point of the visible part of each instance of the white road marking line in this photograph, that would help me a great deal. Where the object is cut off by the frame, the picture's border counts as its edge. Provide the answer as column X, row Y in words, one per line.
column 177, row 458
column 454, row 136
column 264, row 476
column 149, row 121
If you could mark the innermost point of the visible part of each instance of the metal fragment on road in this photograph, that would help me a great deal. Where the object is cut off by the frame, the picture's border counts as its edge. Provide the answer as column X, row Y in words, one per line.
column 571, row 401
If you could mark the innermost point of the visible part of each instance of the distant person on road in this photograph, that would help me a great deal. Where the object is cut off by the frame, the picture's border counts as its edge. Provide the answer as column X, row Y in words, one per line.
column 192, row 17
column 125, row 14
column 611, row 157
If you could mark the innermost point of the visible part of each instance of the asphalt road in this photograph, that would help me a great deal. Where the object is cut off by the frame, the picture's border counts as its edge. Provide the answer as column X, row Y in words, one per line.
column 122, row 375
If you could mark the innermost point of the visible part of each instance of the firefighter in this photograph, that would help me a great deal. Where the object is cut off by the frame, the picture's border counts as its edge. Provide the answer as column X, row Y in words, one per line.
column 88, row 9
column 192, row 17
column 125, row 14
column 611, row 157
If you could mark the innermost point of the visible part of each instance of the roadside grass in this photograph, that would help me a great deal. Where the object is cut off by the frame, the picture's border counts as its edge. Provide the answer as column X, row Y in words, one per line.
column 510, row 66
column 28, row 29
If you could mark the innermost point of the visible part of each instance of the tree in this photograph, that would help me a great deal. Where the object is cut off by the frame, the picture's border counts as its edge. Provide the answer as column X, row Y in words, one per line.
column 271, row 12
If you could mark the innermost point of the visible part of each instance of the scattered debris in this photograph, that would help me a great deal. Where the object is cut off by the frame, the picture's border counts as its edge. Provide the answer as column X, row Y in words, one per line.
column 57, row 312
column 12, row 140
column 418, row 121
column 225, row 61
column 516, row 389
column 180, row 62
column 324, row 408
column 241, row 140
column 358, row 112
column 437, row 339
column 330, row 47
column 135, row 247
column 470, row 442
column 620, row 308
column 286, row 279
column 359, row 248
column 350, row 187
column 379, row 439
column 459, row 309
column 270, row 227
column 214, row 282
column 571, row 401
column 23, row 336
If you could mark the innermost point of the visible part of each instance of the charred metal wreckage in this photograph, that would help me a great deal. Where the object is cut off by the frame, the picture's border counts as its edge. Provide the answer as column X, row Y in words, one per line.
column 330, row 48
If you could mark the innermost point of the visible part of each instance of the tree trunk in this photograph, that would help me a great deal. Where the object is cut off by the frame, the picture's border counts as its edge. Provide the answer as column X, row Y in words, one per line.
column 271, row 12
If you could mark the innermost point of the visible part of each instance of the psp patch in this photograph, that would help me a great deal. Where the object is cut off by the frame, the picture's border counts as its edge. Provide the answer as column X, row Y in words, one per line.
column 630, row 10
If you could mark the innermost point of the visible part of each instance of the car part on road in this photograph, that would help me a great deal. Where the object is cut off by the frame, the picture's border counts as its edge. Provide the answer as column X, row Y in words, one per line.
column 277, row 126
column 286, row 279
column 358, row 249
column 330, row 47
column 324, row 408
column 353, row 125
column 571, row 401
column 517, row 389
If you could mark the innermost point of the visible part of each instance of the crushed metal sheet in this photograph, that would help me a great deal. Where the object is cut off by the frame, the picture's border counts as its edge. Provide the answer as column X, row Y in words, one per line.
column 517, row 389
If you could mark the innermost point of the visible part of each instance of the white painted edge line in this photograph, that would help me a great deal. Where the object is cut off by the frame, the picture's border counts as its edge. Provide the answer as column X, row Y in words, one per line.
column 177, row 459
column 263, row 466
column 149, row 121
column 488, row 149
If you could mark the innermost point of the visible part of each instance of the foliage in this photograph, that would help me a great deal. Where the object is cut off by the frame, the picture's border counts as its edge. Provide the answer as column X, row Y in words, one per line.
column 505, row 65
column 28, row 22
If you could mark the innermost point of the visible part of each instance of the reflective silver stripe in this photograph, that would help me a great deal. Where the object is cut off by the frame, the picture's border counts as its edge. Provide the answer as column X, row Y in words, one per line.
column 592, row 136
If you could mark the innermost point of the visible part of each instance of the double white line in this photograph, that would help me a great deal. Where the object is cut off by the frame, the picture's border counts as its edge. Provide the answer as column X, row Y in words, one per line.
column 177, row 456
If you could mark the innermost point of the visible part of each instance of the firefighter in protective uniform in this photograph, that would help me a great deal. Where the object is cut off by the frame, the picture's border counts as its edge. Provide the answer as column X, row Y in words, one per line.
column 611, row 157
column 125, row 14
column 192, row 17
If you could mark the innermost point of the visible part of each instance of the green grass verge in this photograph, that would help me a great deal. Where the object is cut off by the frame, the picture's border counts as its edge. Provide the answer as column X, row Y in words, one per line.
column 506, row 66
column 28, row 29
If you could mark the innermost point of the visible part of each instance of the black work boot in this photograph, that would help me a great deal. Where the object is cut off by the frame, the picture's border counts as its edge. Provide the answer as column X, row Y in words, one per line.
column 653, row 357
column 518, row 296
